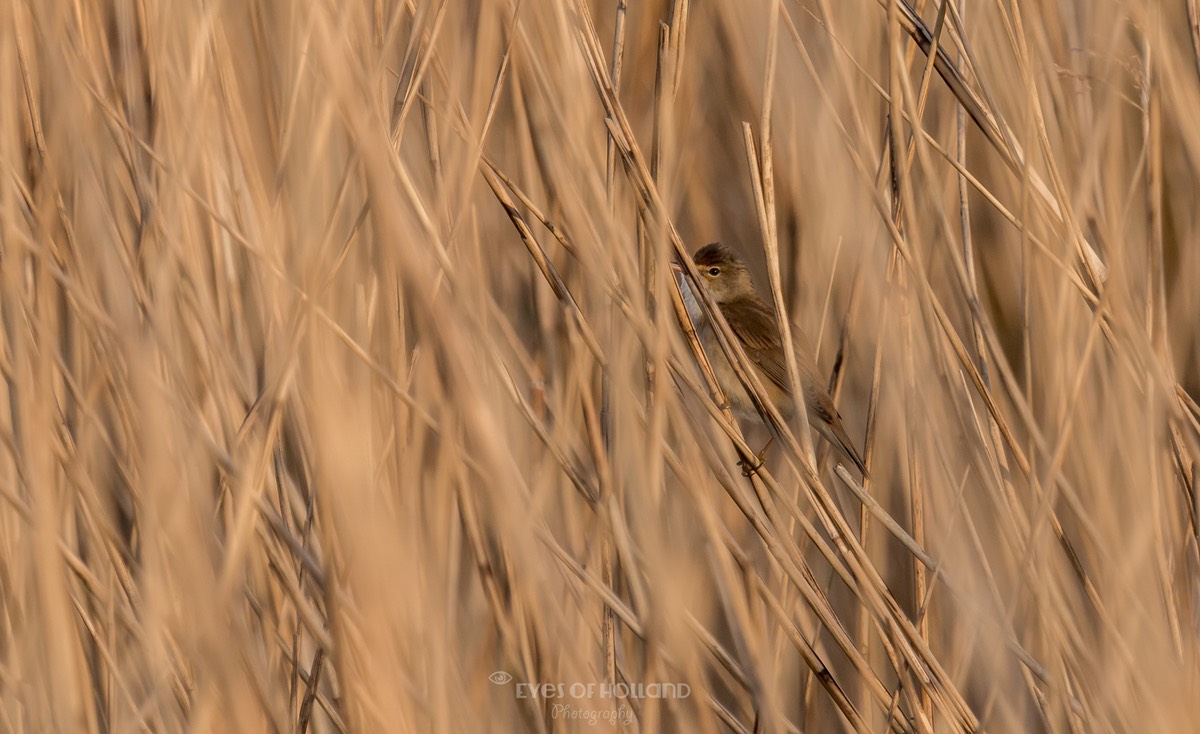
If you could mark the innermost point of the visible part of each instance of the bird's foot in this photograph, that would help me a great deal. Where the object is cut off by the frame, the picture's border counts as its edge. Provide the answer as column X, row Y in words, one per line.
column 750, row 469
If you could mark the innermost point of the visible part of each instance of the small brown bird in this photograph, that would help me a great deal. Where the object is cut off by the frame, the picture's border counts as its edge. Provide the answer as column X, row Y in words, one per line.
column 754, row 323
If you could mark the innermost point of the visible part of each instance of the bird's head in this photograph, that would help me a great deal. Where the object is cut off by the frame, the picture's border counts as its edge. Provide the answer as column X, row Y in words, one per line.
column 724, row 272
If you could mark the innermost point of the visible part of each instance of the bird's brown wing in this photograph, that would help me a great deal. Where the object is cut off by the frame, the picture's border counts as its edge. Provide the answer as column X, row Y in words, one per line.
column 754, row 324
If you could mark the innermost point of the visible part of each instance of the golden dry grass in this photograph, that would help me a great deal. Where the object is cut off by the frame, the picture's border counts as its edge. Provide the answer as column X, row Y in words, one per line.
column 343, row 387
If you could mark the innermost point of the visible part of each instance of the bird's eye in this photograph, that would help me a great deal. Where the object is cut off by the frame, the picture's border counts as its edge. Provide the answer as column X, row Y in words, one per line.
column 714, row 272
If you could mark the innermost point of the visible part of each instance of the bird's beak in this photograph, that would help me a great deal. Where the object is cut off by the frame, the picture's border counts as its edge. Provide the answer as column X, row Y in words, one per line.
column 677, row 268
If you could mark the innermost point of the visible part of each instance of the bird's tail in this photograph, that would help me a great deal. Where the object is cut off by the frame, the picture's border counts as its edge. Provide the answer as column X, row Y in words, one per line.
column 836, row 435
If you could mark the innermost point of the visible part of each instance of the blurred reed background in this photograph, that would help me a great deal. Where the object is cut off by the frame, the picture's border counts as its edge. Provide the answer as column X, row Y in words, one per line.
column 343, row 388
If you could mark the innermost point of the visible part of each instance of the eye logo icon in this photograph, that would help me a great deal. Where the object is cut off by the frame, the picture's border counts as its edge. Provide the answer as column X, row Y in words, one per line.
column 499, row 677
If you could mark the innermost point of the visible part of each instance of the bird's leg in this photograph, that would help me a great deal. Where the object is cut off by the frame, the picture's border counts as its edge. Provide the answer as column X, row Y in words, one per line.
column 759, row 459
